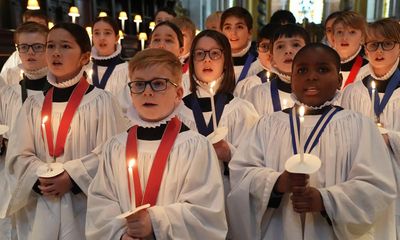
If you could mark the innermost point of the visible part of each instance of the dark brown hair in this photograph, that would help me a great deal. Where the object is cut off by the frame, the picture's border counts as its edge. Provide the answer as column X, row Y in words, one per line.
column 228, row 81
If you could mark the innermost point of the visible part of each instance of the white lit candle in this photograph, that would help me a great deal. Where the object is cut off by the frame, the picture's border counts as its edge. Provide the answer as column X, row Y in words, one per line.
column 301, row 144
column 123, row 17
column 152, row 25
column 213, row 115
column 373, row 89
column 268, row 76
column 46, row 146
column 142, row 38
column 132, row 190
column 21, row 74
column 137, row 20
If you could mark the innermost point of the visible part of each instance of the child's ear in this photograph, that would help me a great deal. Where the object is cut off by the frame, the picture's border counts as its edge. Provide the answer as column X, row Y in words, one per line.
column 179, row 94
column 340, row 81
column 85, row 58
column 181, row 51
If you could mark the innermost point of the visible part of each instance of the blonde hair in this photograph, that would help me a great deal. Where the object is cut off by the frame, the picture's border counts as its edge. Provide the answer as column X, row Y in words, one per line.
column 387, row 28
column 157, row 57
column 30, row 27
column 351, row 19
column 184, row 23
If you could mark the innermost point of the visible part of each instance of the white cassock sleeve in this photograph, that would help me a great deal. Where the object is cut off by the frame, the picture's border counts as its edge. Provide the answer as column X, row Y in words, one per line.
column 245, row 85
column 356, row 182
column 190, row 202
column 11, row 62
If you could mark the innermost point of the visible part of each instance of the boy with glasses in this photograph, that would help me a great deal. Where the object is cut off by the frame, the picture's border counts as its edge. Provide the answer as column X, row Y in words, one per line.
column 30, row 40
column 382, row 48
column 158, row 153
column 264, row 59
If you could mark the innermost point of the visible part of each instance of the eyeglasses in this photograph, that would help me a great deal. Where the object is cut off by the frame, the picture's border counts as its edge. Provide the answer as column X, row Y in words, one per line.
column 214, row 54
column 156, row 84
column 263, row 47
column 385, row 45
column 36, row 47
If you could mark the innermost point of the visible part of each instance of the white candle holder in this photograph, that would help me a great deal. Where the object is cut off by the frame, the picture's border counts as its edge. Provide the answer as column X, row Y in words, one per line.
column 132, row 211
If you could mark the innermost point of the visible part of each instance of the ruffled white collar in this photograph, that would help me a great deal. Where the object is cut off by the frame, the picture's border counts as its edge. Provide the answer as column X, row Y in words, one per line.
column 96, row 56
column 68, row 83
column 387, row 75
column 136, row 120
column 243, row 51
column 184, row 57
column 203, row 89
column 327, row 103
column 284, row 77
column 351, row 57
column 34, row 74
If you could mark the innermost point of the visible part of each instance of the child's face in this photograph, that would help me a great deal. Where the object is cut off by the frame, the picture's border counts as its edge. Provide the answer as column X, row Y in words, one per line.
column 63, row 54
column 346, row 40
column 187, row 41
column 315, row 77
column 154, row 106
column 207, row 69
column 37, row 20
column 380, row 58
column 284, row 50
column 32, row 59
column 164, row 37
column 264, row 54
column 104, row 38
column 162, row 17
column 235, row 29
column 213, row 24
column 329, row 31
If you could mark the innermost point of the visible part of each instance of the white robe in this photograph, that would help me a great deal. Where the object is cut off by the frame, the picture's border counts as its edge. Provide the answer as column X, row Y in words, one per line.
column 260, row 97
column 244, row 86
column 13, row 75
column 119, row 78
column 255, row 68
column 190, row 202
column 238, row 116
column 362, row 73
column 358, row 191
column 356, row 98
column 11, row 62
column 97, row 118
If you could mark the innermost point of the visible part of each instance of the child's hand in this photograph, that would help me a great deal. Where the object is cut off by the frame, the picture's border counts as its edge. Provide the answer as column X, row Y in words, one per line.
column 223, row 151
column 139, row 225
column 282, row 184
column 127, row 237
column 309, row 200
column 298, row 182
column 56, row 186
column 386, row 139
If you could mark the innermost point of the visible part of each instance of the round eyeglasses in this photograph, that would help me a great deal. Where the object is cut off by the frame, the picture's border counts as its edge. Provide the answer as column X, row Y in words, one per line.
column 156, row 84
column 263, row 47
column 200, row 55
column 36, row 47
column 385, row 45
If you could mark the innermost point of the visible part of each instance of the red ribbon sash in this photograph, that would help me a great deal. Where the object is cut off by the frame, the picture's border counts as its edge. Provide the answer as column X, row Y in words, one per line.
column 354, row 70
column 159, row 163
column 66, row 119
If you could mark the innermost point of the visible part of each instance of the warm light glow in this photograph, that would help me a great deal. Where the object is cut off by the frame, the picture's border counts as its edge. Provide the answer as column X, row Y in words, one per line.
column 102, row 14
column 123, row 16
column 50, row 25
column 44, row 120
column 268, row 75
column 152, row 25
column 132, row 163
column 284, row 103
column 373, row 85
column 197, row 31
column 142, row 36
column 212, row 84
column 138, row 19
column 89, row 31
column 33, row 5
column 74, row 12
column 301, row 112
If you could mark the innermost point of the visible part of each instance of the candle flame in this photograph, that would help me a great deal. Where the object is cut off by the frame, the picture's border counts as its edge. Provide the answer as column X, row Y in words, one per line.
column 44, row 120
column 373, row 85
column 268, row 74
column 284, row 102
column 302, row 111
column 131, row 163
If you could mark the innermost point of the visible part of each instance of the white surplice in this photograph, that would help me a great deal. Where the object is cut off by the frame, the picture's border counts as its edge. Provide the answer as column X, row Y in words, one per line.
column 260, row 97
column 13, row 75
column 11, row 62
column 97, row 118
column 244, row 86
column 190, row 202
column 356, row 98
column 356, row 182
